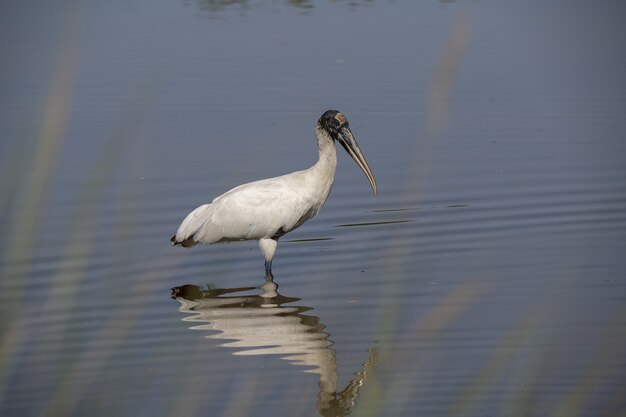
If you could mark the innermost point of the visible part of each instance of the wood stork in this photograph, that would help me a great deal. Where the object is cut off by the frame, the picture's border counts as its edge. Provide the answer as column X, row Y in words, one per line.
column 267, row 209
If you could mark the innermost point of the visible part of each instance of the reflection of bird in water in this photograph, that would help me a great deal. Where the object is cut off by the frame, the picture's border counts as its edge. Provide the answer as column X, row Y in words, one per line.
column 267, row 209
column 264, row 325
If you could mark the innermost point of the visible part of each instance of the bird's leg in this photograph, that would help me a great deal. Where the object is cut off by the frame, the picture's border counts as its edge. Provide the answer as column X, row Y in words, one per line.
column 268, row 247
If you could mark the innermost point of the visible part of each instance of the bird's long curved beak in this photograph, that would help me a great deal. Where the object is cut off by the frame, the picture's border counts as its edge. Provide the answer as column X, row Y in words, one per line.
column 346, row 138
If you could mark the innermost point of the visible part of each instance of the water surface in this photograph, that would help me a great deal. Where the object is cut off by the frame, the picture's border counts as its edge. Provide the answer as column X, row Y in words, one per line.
column 485, row 278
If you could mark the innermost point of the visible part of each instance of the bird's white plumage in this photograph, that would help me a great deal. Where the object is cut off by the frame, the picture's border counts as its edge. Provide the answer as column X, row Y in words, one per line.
column 265, row 210
column 261, row 209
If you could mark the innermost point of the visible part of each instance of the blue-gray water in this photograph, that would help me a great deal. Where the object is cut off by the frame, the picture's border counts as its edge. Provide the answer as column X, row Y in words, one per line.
column 485, row 278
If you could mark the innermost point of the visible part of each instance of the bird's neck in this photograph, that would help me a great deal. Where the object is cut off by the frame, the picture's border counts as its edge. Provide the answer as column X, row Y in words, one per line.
column 327, row 162
column 324, row 168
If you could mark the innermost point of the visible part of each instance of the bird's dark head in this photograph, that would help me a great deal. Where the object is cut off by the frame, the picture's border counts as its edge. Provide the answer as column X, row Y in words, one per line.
column 333, row 122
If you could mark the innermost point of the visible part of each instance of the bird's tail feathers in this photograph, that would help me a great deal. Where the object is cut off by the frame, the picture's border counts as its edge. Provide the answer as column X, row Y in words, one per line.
column 187, row 243
column 186, row 234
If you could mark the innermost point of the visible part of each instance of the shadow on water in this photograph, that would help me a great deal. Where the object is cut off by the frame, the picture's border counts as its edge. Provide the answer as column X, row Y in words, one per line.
column 270, row 324
column 218, row 9
column 244, row 5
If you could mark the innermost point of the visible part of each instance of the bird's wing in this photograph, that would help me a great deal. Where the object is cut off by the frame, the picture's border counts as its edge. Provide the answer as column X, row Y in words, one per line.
column 255, row 210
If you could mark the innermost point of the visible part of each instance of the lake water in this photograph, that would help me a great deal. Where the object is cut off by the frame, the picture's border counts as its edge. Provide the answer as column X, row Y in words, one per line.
column 486, row 278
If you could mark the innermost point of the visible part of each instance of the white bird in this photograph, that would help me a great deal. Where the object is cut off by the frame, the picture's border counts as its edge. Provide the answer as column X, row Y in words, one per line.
column 267, row 209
